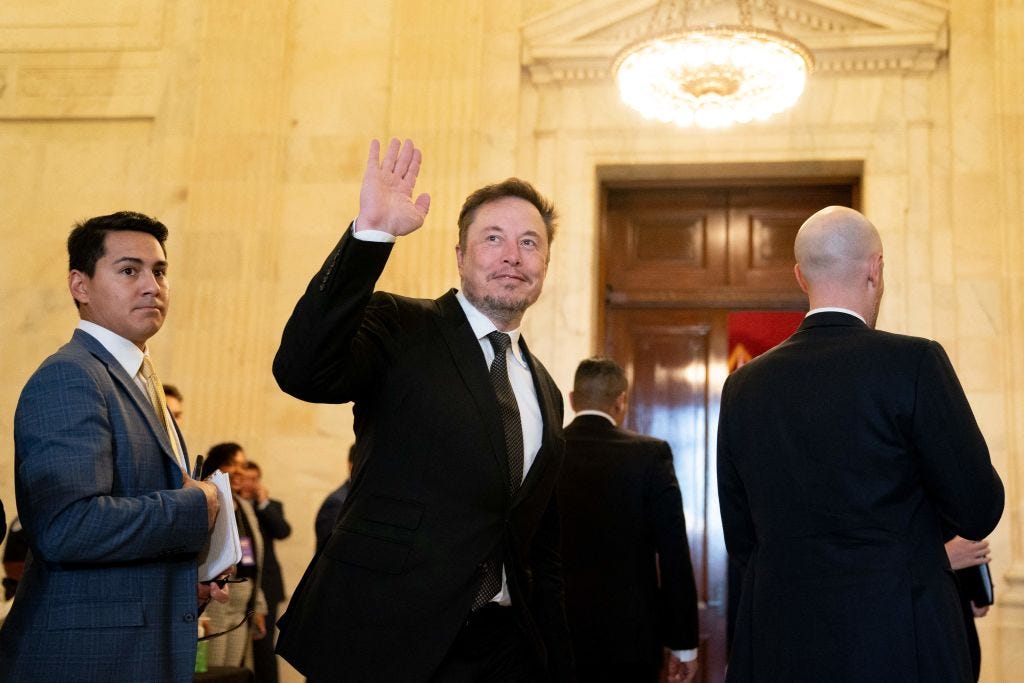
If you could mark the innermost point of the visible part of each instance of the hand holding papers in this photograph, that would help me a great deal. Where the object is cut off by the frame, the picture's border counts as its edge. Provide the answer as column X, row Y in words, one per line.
column 223, row 548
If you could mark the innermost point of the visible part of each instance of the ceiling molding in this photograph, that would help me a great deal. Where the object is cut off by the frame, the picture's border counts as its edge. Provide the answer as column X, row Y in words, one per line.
column 579, row 42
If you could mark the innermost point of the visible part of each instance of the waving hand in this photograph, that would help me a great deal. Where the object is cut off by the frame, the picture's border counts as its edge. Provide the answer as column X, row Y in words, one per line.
column 385, row 199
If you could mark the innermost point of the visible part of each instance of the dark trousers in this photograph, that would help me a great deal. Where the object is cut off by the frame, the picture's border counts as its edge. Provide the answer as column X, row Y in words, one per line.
column 264, row 661
column 489, row 647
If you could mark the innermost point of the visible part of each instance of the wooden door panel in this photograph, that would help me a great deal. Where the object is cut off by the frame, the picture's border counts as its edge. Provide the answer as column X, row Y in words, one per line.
column 665, row 241
column 674, row 359
column 762, row 225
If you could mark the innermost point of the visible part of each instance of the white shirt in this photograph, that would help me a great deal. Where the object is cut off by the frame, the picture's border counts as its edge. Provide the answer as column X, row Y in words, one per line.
column 836, row 309
column 128, row 356
column 598, row 412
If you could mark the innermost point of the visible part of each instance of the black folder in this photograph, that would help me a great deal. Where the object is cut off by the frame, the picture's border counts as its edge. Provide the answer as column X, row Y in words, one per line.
column 976, row 583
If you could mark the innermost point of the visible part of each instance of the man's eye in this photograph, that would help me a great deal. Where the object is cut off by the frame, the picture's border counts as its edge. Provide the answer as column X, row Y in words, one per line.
column 529, row 243
column 128, row 270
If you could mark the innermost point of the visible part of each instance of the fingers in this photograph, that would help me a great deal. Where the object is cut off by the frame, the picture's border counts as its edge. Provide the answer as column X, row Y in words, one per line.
column 219, row 594
column 423, row 203
column 401, row 158
column 407, row 165
column 373, row 159
column 391, row 157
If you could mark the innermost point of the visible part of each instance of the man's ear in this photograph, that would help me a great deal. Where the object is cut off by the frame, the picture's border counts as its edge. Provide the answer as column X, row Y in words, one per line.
column 875, row 268
column 800, row 278
column 572, row 400
column 78, row 285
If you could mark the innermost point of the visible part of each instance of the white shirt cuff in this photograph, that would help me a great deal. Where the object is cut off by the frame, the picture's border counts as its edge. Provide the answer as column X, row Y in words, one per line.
column 685, row 655
column 371, row 235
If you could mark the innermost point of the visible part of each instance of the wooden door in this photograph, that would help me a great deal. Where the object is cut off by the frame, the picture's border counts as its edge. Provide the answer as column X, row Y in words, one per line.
column 674, row 359
column 675, row 262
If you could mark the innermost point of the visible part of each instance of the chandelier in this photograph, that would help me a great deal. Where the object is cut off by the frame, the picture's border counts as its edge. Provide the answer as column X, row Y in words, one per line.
column 711, row 76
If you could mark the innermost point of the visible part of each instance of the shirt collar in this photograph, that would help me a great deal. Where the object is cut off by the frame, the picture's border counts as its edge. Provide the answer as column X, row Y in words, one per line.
column 127, row 354
column 597, row 412
column 836, row 309
column 482, row 326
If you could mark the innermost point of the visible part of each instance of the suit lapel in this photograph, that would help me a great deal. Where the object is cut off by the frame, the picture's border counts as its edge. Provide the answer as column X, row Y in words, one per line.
column 469, row 360
column 549, row 436
column 128, row 385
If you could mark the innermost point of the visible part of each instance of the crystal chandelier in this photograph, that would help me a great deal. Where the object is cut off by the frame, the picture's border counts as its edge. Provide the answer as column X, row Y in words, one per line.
column 711, row 76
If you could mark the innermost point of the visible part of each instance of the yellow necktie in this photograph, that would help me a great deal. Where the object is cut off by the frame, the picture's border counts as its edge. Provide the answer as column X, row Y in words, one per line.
column 155, row 391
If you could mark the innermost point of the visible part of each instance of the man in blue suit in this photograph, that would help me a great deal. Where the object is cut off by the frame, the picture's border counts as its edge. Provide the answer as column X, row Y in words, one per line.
column 113, row 521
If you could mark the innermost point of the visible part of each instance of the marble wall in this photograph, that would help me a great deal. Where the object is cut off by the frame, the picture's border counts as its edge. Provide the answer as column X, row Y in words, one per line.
column 244, row 126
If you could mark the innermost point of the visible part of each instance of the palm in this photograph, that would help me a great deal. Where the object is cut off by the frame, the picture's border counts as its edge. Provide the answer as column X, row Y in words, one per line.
column 385, row 199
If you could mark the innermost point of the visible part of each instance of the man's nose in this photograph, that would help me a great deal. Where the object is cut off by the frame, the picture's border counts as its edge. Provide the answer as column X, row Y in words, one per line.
column 147, row 281
column 512, row 254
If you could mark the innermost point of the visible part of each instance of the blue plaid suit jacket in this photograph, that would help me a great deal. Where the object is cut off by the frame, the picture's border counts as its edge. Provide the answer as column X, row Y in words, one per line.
column 109, row 591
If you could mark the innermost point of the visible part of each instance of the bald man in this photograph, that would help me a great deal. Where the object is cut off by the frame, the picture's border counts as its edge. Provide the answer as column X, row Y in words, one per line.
column 840, row 453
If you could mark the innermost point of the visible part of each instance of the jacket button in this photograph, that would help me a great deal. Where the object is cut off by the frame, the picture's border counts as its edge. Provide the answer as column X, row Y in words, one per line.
column 188, row 617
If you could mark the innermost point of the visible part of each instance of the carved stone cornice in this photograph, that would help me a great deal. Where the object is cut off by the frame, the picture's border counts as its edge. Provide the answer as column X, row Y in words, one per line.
column 578, row 43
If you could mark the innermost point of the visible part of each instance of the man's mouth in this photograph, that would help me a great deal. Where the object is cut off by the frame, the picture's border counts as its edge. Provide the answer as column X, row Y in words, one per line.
column 508, row 276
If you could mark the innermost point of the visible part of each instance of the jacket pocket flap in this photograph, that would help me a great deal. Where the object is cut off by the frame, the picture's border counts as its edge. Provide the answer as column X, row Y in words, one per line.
column 366, row 551
column 105, row 614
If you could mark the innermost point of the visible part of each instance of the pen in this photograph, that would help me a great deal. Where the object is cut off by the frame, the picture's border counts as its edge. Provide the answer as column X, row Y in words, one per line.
column 198, row 469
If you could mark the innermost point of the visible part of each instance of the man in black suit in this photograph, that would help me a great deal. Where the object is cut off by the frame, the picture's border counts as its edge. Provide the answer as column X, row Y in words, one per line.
column 444, row 565
column 629, row 588
column 273, row 527
column 842, row 452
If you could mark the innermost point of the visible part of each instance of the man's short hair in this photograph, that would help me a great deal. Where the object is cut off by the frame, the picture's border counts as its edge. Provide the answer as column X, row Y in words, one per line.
column 512, row 187
column 87, row 238
column 219, row 456
column 171, row 391
column 598, row 382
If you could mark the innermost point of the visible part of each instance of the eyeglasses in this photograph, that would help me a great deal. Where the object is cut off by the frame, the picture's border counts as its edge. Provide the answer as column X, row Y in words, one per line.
column 247, row 617
column 221, row 581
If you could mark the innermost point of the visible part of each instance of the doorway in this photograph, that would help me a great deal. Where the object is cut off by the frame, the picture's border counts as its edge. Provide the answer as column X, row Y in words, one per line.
column 676, row 261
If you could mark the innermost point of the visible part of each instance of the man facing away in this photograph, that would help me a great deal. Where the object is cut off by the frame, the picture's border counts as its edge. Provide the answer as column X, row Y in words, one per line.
column 842, row 453
column 444, row 565
column 629, row 586
column 112, row 519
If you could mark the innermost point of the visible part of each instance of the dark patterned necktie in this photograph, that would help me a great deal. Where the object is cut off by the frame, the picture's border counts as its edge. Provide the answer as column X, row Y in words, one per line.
column 490, row 581
column 508, row 408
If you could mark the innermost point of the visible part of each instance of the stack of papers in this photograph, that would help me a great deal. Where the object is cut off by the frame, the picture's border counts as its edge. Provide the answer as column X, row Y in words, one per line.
column 223, row 548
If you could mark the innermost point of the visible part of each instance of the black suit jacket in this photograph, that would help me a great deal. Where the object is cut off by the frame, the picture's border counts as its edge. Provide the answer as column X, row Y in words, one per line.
column 429, row 503
column 273, row 527
column 622, row 520
column 328, row 514
column 839, row 453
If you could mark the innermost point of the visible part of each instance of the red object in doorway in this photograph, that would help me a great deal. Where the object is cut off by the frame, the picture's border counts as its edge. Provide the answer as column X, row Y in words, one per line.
column 751, row 333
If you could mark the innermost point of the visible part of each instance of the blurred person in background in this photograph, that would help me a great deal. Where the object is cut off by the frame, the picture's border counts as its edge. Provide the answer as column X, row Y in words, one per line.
column 273, row 527
column 247, row 602
column 330, row 510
